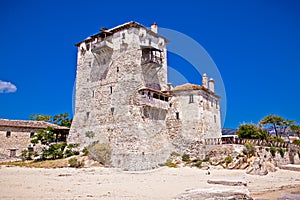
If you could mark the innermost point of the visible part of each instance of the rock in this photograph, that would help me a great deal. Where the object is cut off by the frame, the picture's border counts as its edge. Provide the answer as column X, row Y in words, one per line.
column 214, row 193
column 249, row 170
column 228, row 182
column 270, row 167
column 244, row 165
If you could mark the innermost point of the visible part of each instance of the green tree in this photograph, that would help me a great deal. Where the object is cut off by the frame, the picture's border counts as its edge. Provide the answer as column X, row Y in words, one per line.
column 248, row 131
column 276, row 123
column 62, row 120
column 296, row 129
column 45, row 137
column 41, row 117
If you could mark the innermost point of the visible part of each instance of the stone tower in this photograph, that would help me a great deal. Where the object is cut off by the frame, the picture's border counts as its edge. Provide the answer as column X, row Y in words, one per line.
column 123, row 99
column 120, row 75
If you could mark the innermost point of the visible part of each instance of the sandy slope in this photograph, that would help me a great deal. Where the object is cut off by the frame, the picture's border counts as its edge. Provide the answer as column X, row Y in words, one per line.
column 103, row 183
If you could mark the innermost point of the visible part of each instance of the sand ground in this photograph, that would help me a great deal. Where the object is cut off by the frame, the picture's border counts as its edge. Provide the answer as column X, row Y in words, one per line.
column 162, row 183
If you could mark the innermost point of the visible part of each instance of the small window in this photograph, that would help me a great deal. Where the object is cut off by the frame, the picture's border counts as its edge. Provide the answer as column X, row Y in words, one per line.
column 191, row 99
column 117, row 69
column 112, row 109
column 177, row 115
column 8, row 134
column 31, row 134
column 93, row 94
column 215, row 118
column 88, row 46
column 87, row 114
column 123, row 35
column 170, row 105
column 212, row 103
column 217, row 104
column 111, row 89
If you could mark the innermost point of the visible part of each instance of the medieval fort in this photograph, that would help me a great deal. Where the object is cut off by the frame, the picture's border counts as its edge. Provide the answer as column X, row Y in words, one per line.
column 124, row 99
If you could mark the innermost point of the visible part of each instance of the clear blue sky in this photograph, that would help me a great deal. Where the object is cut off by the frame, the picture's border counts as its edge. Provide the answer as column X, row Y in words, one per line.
column 255, row 45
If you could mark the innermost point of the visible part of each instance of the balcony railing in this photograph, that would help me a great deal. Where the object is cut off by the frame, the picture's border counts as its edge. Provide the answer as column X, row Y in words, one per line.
column 102, row 45
column 151, row 59
column 153, row 102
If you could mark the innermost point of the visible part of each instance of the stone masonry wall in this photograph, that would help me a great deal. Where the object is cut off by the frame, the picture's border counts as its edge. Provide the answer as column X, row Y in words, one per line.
column 108, row 104
column 199, row 118
column 19, row 139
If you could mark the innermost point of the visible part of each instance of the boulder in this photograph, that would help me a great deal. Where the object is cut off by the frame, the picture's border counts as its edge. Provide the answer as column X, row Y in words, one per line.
column 213, row 193
column 228, row 182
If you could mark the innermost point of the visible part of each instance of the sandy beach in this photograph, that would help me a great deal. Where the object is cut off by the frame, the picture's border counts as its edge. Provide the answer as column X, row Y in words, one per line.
column 162, row 183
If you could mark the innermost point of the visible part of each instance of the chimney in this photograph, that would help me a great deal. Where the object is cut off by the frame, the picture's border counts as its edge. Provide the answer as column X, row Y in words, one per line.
column 154, row 27
column 204, row 80
column 211, row 84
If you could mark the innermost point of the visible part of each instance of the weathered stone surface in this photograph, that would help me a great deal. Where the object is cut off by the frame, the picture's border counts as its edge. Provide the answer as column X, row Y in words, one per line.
column 122, row 96
column 228, row 182
column 214, row 194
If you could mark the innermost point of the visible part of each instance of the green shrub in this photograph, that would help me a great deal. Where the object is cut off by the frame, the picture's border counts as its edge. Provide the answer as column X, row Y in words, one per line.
column 175, row 154
column 198, row 164
column 228, row 159
column 281, row 152
column 296, row 142
column 100, row 152
column 267, row 149
column 250, row 148
column 277, row 139
column 185, row 158
column 73, row 162
column 85, row 151
column 169, row 163
column 27, row 155
column 273, row 151
column 90, row 134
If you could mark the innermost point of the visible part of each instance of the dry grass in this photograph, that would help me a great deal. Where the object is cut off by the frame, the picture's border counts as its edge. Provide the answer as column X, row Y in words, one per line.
column 59, row 163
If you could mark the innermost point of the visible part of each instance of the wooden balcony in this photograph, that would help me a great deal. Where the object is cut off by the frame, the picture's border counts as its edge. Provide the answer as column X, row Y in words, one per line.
column 103, row 45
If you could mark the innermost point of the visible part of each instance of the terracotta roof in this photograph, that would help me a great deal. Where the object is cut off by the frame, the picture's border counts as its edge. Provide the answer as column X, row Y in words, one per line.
column 119, row 28
column 188, row 86
column 29, row 124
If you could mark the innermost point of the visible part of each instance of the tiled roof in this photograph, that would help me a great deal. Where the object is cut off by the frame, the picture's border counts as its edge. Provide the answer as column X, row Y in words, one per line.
column 188, row 86
column 119, row 28
column 29, row 124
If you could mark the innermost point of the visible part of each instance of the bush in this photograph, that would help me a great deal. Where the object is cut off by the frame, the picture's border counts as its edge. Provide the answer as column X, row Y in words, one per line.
column 73, row 162
column 277, row 139
column 100, row 152
column 228, row 159
column 296, row 142
column 90, row 134
column 169, row 163
column 273, row 151
column 27, row 155
column 250, row 148
column 267, row 149
column 175, row 154
column 281, row 152
column 185, row 158
column 85, row 151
